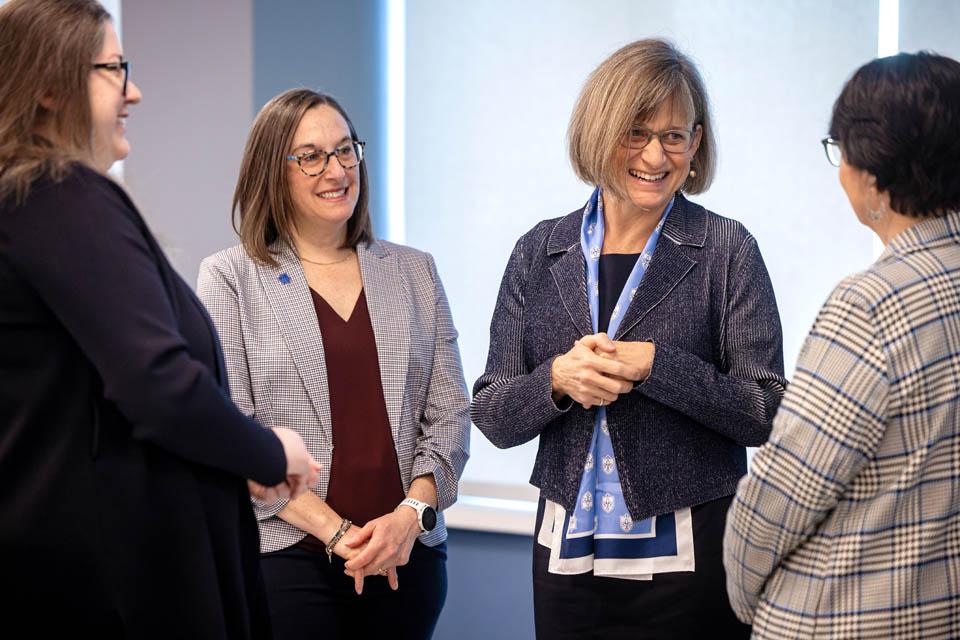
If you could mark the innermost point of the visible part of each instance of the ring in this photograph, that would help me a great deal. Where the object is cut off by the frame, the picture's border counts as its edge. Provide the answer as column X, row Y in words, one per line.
column 382, row 571
column 602, row 401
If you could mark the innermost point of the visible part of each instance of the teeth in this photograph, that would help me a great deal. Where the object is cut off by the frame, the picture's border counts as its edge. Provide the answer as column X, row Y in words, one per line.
column 648, row 177
column 333, row 194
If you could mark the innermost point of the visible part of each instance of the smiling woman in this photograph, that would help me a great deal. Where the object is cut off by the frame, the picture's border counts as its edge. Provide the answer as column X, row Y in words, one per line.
column 350, row 339
column 639, row 338
column 126, row 469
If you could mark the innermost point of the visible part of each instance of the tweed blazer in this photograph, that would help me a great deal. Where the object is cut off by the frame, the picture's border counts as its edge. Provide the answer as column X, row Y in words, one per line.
column 275, row 362
column 707, row 304
column 848, row 525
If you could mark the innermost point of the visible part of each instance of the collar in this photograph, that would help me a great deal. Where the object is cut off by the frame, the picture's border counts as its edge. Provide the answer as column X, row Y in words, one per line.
column 686, row 225
column 929, row 232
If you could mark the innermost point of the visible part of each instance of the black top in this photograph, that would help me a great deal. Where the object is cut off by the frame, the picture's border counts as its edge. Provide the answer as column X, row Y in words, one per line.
column 614, row 269
column 122, row 458
column 707, row 304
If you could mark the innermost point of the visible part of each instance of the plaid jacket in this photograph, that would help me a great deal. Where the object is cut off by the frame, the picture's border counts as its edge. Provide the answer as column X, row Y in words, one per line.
column 275, row 361
column 848, row 525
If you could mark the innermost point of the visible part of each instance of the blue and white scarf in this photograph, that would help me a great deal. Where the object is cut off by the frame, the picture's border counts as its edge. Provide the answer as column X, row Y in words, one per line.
column 600, row 535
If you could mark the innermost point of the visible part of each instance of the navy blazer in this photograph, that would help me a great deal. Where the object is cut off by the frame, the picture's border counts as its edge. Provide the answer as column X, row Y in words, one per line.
column 123, row 508
column 707, row 304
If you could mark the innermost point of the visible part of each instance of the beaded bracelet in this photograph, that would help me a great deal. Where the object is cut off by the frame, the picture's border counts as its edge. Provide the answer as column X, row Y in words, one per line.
column 344, row 526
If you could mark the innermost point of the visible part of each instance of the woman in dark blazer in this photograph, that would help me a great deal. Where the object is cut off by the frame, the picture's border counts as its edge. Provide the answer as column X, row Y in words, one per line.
column 125, row 510
column 642, row 431
column 351, row 339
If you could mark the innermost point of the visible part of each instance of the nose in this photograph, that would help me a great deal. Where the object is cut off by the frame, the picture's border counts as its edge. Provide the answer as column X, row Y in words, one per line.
column 334, row 169
column 653, row 154
column 133, row 93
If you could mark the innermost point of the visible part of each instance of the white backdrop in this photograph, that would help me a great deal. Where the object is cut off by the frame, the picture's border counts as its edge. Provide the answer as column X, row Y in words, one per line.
column 489, row 91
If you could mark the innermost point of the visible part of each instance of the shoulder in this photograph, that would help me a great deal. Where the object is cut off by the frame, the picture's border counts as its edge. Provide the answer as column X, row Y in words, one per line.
column 79, row 189
column 233, row 264
column 415, row 265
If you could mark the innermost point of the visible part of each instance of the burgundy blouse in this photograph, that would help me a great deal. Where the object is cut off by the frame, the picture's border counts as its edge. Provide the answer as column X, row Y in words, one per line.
column 364, row 475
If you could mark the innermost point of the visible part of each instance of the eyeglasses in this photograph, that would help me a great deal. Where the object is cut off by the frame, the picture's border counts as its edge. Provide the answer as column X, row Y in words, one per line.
column 671, row 140
column 314, row 162
column 120, row 66
column 832, row 148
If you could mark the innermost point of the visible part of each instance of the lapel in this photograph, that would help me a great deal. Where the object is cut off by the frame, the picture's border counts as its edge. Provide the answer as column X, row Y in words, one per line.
column 686, row 226
column 569, row 272
column 289, row 295
column 387, row 300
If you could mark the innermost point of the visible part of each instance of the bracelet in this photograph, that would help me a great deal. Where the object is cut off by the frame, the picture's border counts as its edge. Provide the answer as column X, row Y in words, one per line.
column 344, row 526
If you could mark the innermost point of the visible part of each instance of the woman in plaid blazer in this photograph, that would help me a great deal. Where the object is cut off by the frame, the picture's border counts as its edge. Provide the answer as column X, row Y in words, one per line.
column 349, row 340
column 849, row 524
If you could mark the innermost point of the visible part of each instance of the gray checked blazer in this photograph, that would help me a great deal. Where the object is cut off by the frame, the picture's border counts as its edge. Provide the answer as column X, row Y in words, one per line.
column 275, row 361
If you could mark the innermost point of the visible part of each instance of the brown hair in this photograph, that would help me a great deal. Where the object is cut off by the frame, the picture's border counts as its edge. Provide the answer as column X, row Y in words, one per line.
column 46, row 49
column 262, row 204
column 634, row 83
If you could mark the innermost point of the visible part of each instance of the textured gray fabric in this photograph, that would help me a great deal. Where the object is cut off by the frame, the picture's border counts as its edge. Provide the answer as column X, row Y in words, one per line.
column 274, row 355
column 717, row 378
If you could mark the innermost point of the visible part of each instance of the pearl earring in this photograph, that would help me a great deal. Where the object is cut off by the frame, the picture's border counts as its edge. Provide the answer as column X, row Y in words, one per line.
column 693, row 172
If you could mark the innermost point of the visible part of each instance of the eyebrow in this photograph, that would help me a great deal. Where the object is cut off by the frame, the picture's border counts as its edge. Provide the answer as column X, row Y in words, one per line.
column 310, row 145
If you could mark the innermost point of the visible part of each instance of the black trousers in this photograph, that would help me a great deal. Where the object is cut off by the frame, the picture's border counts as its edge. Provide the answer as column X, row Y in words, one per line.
column 673, row 605
column 312, row 598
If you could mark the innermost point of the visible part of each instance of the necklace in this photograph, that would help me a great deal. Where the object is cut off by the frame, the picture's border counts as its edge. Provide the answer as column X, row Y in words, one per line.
column 327, row 264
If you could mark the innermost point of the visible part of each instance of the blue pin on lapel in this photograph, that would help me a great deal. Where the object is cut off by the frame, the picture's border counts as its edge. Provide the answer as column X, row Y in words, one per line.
column 283, row 278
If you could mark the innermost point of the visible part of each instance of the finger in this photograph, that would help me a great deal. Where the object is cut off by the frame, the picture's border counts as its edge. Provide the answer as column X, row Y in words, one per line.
column 365, row 557
column 598, row 341
column 392, row 578
column 357, row 538
column 611, row 367
column 281, row 491
column 358, row 582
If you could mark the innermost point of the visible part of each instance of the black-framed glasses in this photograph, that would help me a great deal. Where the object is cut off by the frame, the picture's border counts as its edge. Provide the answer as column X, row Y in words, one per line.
column 314, row 162
column 671, row 140
column 119, row 66
column 832, row 148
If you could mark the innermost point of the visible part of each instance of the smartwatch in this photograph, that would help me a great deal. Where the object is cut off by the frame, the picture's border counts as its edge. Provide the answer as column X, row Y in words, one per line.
column 426, row 515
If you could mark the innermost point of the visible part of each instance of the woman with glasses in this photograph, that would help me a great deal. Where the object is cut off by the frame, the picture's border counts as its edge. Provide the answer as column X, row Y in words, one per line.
column 350, row 339
column 639, row 338
column 849, row 522
column 125, row 510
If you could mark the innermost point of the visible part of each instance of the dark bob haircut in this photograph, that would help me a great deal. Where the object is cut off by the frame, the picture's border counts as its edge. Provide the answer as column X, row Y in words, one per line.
column 898, row 118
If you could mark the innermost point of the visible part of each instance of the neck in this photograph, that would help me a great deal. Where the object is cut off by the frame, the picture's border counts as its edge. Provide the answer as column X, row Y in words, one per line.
column 626, row 227
column 891, row 225
column 318, row 241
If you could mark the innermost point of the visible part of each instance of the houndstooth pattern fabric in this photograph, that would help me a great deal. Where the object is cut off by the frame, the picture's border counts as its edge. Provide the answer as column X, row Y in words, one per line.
column 848, row 525
column 275, row 360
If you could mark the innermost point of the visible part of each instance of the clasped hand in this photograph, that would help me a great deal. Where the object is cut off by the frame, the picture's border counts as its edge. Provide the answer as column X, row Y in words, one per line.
column 301, row 473
column 597, row 370
column 380, row 546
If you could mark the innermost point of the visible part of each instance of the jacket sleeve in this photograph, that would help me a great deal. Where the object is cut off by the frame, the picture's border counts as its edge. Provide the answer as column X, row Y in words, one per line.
column 85, row 252
column 444, row 442
column 740, row 402
column 511, row 403
column 829, row 425
column 217, row 288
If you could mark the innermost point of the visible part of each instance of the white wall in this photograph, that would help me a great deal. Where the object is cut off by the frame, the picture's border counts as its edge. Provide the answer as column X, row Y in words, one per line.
column 193, row 61
column 490, row 87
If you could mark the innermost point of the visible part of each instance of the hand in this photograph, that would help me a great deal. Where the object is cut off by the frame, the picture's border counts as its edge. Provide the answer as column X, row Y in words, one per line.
column 269, row 495
column 588, row 378
column 636, row 354
column 389, row 540
column 301, row 467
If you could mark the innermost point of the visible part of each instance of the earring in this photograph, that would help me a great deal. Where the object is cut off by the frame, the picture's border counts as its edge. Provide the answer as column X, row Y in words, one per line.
column 877, row 214
column 693, row 172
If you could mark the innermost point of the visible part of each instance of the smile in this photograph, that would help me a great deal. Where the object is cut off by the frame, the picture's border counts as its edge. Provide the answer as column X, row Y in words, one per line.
column 648, row 177
column 333, row 195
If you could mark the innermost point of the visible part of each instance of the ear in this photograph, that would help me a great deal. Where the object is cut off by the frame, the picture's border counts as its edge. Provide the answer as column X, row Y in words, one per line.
column 697, row 137
column 47, row 101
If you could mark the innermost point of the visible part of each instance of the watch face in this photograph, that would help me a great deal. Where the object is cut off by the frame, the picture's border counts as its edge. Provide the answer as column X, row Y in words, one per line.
column 428, row 519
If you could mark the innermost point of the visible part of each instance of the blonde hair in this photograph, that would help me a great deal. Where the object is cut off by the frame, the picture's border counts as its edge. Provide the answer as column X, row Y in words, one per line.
column 46, row 49
column 263, row 207
column 632, row 84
